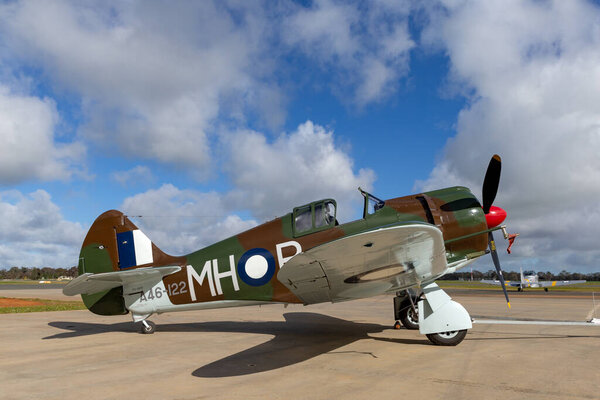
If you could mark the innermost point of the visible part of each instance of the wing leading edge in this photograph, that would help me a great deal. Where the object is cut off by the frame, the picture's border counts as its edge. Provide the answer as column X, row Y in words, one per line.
column 558, row 283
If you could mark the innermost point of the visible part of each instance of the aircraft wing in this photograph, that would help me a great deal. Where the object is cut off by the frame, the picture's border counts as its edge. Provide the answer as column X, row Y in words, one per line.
column 557, row 283
column 495, row 282
column 93, row 283
column 366, row 264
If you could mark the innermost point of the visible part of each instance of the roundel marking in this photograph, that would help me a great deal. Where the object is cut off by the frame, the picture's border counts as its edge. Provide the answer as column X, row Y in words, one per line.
column 256, row 267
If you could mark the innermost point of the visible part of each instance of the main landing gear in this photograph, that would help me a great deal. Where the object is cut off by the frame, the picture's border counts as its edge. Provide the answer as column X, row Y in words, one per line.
column 406, row 310
column 451, row 338
column 434, row 313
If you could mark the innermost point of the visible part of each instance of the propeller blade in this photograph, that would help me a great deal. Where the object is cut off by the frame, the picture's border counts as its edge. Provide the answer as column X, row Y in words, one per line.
column 491, row 182
column 494, row 254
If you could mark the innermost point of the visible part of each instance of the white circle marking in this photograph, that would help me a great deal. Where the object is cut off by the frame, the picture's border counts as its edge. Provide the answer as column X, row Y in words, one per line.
column 256, row 266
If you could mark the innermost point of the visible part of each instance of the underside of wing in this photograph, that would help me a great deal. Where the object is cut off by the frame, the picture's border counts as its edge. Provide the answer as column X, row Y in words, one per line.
column 498, row 283
column 558, row 283
column 490, row 282
column 366, row 264
column 94, row 283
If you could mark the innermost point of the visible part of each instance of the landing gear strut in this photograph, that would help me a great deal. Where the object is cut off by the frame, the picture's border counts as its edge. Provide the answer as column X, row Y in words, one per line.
column 146, row 327
column 406, row 310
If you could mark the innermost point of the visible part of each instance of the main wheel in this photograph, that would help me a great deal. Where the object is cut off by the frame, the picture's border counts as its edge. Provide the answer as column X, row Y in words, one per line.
column 410, row 317
column 451, row 338
column 148, row 327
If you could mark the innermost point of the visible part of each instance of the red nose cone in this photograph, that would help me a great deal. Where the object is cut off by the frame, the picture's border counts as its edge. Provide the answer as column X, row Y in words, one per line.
column 495, row 217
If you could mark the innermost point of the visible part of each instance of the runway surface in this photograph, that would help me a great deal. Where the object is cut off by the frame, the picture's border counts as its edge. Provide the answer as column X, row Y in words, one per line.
column 327, row 351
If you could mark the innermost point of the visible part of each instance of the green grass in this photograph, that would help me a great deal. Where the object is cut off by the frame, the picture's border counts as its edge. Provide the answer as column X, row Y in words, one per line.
column 29, row 282
column 47, row 305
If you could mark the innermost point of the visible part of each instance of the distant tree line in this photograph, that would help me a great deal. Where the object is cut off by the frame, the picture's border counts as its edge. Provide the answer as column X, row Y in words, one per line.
column 37, row 273
column 54, row 273
column 515, row 276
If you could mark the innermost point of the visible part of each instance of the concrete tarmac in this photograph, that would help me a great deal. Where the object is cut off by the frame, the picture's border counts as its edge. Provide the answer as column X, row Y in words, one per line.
column 326, row 351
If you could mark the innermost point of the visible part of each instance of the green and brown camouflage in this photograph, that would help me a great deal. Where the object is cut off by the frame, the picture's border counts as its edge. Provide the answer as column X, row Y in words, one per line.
column 222, row 272
column 305, row 257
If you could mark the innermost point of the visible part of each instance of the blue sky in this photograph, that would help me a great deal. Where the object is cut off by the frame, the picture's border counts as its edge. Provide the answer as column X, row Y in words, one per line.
column 208, row 118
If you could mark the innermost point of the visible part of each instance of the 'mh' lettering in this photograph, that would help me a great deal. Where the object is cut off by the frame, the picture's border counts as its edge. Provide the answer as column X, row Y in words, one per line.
column 218, row 275
column 206, row 273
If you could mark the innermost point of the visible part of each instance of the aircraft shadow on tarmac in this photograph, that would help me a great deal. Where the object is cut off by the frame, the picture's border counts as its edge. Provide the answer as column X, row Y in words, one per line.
column 300, row 337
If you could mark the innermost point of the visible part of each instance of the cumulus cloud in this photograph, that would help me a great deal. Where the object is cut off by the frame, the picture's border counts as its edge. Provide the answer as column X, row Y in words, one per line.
column 34, row 233
column 181, row 221
column 270, row 179
column 531, row 71
column 27, row 140
column 152, row 76
column 296, row 168
column 366, row 44
column 154, row 80
column 134, row 176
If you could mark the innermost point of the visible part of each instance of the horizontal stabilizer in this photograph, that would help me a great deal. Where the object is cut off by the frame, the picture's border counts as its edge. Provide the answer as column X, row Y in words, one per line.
column 93, row 283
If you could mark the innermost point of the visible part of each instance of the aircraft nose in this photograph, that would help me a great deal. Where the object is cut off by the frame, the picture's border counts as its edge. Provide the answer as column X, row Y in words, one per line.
column 495, row 217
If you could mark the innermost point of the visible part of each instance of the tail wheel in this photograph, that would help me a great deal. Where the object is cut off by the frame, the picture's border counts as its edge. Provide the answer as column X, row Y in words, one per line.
column 451, row 338
column 410, row 317
column 148, row 327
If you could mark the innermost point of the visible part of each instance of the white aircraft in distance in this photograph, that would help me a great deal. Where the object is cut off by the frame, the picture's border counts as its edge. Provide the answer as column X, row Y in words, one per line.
column 531, row 280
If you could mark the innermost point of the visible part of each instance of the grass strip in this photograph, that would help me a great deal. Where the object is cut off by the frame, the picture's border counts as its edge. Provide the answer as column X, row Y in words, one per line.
column 47, row 305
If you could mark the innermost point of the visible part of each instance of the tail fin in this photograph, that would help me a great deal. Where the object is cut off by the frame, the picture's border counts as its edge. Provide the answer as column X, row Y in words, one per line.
column 114, row 243
column 522, row 277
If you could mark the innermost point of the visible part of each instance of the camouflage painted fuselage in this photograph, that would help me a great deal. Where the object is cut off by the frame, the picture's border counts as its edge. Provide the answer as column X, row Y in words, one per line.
column 243, row 269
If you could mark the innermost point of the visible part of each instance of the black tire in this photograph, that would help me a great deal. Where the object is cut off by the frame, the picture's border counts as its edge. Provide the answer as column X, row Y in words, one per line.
column 451, row 338
column 410, row 318
column 545, row 289
column 150, row 329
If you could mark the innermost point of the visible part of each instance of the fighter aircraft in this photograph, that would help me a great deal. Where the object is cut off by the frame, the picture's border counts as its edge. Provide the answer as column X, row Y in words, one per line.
column 400, row 246
column 531, row 280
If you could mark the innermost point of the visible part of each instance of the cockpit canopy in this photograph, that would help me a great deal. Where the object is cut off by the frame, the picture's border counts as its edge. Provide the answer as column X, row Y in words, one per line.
column 314, row 217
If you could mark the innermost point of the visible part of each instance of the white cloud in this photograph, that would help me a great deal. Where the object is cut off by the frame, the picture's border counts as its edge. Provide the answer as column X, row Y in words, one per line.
column 366, row 44
column 532, row 70
column 325, row 29
column 152, row 76
column 27, row 140
column 33, row 232
column 181, row 221
column 155, row 80
column 269, row 179
column 134, row 176
column 305, row 165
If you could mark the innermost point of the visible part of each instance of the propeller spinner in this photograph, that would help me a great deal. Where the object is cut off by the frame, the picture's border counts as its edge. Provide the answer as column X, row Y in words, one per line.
column 493, row 215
